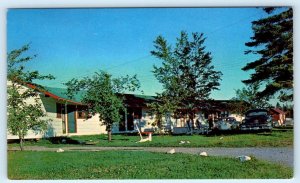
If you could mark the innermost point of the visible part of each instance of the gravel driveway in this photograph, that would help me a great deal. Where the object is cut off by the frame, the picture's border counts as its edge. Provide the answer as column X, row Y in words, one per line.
column 282, row 155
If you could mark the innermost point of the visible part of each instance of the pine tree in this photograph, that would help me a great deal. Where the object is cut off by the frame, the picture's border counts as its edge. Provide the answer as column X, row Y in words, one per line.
column 273, row 41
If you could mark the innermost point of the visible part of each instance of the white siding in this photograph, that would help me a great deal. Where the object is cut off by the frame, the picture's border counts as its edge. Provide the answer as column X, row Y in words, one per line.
column 90, row 126
column 55, row 126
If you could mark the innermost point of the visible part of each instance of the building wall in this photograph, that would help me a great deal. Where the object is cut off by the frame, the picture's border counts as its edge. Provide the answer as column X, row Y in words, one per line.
column 55, row 125
column 33, row 134
column 90, row 126
column 84, row 126
column 169, row 122
column 93, row 126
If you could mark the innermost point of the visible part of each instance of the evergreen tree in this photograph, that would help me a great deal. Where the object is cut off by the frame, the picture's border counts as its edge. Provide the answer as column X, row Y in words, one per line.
column 278, row 105
column 186, row 73
column 23, row 115
column 273, row 41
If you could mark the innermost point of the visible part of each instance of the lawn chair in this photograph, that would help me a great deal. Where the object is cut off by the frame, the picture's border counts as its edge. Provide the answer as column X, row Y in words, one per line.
column 149, row 138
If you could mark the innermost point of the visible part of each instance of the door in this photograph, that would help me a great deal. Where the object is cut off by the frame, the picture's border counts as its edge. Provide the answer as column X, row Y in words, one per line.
column 134, row 113
column 71, row 119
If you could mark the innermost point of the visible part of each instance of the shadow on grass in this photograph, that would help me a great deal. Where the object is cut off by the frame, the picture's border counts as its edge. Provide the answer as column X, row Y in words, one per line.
column 64, row 140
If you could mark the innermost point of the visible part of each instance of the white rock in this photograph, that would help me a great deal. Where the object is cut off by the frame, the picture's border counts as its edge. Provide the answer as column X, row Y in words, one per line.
column 60, row 150
column 181, row 142
column 172, row 151
column 188, row 142
column 244, row 158
column 221, row 138
column 203, row 154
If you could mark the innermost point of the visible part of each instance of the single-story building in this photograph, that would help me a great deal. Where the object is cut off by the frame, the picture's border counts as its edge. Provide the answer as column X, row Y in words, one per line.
column 278, row 115
column 67, row 116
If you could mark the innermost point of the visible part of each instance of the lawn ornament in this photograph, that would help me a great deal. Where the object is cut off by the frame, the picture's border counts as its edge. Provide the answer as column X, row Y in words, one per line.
column 149, row 138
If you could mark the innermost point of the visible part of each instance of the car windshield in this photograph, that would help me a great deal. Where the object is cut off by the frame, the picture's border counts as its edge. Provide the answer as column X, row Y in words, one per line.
column 257, row 113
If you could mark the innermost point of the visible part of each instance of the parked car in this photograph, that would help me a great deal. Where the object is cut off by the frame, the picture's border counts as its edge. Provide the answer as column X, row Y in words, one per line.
column 227, row 123
column 257, row 120
column 289, row 122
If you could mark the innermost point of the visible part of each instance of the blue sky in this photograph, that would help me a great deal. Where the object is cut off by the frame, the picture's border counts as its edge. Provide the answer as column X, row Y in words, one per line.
column 73, row 43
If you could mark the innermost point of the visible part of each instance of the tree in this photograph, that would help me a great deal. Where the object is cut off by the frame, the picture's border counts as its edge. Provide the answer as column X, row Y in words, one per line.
column 278, row 105
column 186, row 73
column 102, row 95
column 246, row 99
column 160, row 108
column 273, row 41
column 23, row 115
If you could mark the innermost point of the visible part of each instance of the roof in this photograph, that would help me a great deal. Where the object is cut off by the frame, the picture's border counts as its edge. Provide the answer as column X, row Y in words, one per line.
column 55, row 93
column 277, row 110
column 132, row 100
column 62, row 92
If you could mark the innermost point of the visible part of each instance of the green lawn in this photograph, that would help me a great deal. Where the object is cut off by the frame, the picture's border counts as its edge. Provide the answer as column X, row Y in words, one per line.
column 136, row 165
column 275, row 139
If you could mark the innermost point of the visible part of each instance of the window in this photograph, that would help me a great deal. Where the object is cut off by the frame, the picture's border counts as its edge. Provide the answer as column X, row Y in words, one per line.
column 81, row 112
column 59, row 110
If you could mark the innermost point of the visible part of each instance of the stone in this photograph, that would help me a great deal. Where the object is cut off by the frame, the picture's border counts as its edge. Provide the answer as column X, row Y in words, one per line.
column 172, row 151
column 203, row 154
column 244, row 158
column 60, row 150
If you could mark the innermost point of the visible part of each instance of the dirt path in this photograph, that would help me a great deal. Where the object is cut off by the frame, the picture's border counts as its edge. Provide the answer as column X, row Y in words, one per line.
column 283, row 155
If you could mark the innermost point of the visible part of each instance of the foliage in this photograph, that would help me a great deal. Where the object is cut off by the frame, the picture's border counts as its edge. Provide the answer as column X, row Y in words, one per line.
column 160, row 109
column 137, row 165
column 246, row 99
column 273, row 41
column 186, row 73
column 101, row 95
column 23, row 115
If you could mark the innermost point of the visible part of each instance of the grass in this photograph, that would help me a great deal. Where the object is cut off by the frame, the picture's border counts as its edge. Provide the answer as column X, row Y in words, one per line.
column 136, row 165
column 275, row 139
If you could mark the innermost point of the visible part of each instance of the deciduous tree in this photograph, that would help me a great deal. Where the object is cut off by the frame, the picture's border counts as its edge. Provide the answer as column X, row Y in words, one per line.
column 186, row 73
column 22, row 114
column 246, row 99
column 102, row 95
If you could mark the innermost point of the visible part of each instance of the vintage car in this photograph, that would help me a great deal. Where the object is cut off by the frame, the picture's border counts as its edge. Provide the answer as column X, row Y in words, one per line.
column 227, row 123
column 257, row 120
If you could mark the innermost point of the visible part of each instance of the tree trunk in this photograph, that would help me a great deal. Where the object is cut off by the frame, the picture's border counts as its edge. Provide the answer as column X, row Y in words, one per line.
column 21, row 143
column 109, row 135
column 191, row 120
column 108, row 129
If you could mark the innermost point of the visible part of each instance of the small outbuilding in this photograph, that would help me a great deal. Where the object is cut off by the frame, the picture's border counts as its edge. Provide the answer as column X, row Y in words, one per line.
column 278, row 115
